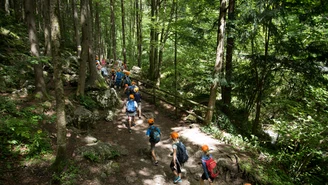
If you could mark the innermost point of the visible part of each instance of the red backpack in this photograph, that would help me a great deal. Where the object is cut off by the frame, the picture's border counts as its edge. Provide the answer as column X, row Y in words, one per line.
column 211, row 168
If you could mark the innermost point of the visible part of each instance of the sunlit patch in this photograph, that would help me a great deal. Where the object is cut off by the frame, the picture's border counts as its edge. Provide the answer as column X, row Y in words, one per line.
column 145, row 172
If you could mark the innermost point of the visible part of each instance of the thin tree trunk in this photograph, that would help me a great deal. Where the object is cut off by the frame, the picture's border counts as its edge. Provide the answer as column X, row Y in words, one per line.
column 256, row 124
column 94, row 75
column 218, row 64
column 152, row 53
column 85, row 48
column 139, row 30
column 123, row 32
column 47, row 28
column 226, row 90
column 76, row 28
column 59, row 89
column 40, row 87
column 175, row 60
column 113, row 30
column 97, row 35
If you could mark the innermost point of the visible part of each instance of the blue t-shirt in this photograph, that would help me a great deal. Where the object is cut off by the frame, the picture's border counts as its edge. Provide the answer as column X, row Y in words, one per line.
column 150, row 128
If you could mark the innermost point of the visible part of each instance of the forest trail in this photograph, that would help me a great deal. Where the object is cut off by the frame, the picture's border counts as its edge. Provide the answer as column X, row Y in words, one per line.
column 137, row 167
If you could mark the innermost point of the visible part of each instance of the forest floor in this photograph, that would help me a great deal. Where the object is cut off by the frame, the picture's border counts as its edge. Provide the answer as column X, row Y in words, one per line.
column 134, row 168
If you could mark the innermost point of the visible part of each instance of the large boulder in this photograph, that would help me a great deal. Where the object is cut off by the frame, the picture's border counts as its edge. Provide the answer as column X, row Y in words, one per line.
column 83, row 118
column 107, row 99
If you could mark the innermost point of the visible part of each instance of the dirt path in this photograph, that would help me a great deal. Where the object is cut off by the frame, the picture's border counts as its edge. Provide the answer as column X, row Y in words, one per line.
column 137, row 167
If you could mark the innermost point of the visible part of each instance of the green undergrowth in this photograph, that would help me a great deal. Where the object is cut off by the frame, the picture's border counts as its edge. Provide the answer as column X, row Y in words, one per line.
column 20, row 131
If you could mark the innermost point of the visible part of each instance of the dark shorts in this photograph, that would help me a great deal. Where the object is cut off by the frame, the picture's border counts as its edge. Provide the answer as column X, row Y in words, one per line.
column 152, row 146
column 178, row 166
column 204, row 177
column 131, row 114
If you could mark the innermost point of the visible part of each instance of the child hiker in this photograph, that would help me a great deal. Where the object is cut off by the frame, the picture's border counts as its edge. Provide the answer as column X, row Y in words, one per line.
column 154, row 134
column 209, row 166
column 179, row 156
column 131, row 109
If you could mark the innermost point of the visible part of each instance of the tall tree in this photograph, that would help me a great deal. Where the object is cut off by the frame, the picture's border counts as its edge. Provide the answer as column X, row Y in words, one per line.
column 226, row 89
column 85, row 47
column 218, row 63
column 97, row 34
column 123, row 32
column 113, row 29
column 153, row 50
column 47, row 27
column 139, row 30
column 59, row 88
column 40, row 87
column 94, row 75
column 76, row 28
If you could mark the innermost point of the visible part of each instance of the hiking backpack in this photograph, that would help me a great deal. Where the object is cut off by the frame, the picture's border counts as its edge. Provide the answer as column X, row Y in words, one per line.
column 211, row 168
column 155, row 135
column 182, row 153
column 130, row 107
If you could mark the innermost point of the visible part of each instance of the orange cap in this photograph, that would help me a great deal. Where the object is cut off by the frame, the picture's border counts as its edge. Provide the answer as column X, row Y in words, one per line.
column 205, row 148
column 131, row 96
column 151, row 121
column 174, row 135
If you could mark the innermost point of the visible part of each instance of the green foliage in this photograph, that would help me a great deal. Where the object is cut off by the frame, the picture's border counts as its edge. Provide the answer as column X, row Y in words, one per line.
column 88, row 102
column 69, row 175
column 7, row 106
column 22, row 135
column 91, row 156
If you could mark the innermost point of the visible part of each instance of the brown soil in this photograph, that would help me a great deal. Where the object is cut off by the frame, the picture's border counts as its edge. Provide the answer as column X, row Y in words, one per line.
column 135, row 168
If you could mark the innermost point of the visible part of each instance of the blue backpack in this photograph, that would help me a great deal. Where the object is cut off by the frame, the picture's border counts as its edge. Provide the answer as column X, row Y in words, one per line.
column 130, row 106
column 182, row 153
column 155, row 135
column 128, row 80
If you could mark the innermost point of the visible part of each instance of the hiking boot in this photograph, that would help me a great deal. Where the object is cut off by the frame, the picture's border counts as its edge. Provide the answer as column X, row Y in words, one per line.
column 133, row 124
column 177, row 179
column 156, row 163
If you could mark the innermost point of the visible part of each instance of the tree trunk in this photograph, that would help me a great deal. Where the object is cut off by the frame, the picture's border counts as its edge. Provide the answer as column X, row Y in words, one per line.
column 139, row 30
column 59, row 89
column 76, row 29
column 123, row 32
column 226, row 90
column 256, row 124
column 113, row 31
column 40, row 87
column 175, row 60
column 94, row 75
column 47, row 28
column 218, row 64
column 97, row 35
column 153, row 42
column 85, row 47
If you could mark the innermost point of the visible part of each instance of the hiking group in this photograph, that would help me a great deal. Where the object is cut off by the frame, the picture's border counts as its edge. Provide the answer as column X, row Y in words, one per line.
column 180, row 155
column 118, row 79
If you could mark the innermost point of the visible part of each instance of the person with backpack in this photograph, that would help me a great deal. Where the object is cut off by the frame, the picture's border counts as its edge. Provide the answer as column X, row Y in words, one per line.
column 179, row 156
column 209, row 166
column 118, row 78
column 137, row 97
column 127, row 79
column 131, row 109
column 154, row 134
